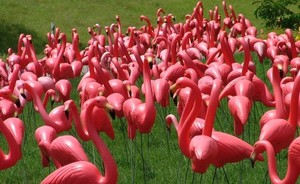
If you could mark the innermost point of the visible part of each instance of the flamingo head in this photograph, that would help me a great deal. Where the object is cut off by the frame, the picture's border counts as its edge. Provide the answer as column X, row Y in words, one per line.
column 6, row 93
column 258, row 148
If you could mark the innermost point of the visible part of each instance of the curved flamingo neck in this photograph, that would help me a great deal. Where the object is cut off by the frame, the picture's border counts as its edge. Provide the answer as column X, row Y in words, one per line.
column 158, row 28
column 294, row 103
column 233, row 14
column 225, row 9
column 212, row 33
column 131, row 37
column 292, row 42
column 149, row 100
column 49, row 93
column 170, row 24
column 80, row 129
column 279, row 105
column 110, row 45
column 38, row 70
column 188, row 62
column 15, row 152
column 184, row 132
column 56, row 36
column 121, row 75
column 110, row 166
column 158, row 40
column 104, row 60
column 137, row 57
column 291, row 175
column 42, row 111
column 14, row 77
column 172, row 119
column 228, row 56
column 247, row 57
column 119, row 26
column 20, row 44
column 75, row 46
column 124, row 50
column 174, row 43
column 212, row 107
column 138, row 43
column 185, row 40
column 191, row 74
column 56, row 69
column 150, row 29
column 101, row 76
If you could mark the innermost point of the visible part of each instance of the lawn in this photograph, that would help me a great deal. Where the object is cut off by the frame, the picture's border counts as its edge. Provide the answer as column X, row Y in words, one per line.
column 151, row 158
column 15, row 18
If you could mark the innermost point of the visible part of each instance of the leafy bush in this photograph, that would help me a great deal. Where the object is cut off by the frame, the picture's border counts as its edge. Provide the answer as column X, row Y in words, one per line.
column 276, row 13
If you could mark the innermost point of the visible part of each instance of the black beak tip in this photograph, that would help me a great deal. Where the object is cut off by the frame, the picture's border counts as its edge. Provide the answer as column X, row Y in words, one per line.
column 252, row 162
column 281, row 74
column 67, row 114
column 174, row 99
column 130, row 93
column 23, row 95
column 18, row 103
column 112, row 114
column 150, row 65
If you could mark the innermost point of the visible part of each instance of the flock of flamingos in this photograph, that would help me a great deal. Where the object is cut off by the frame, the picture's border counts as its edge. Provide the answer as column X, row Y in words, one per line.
column 193, row 61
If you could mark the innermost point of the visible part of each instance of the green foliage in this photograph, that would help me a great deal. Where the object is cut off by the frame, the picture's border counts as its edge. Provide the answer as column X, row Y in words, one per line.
column 276, row 13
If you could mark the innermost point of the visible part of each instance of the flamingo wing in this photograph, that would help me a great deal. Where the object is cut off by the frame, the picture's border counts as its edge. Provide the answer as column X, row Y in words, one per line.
column 231, row 149
column 74, row 173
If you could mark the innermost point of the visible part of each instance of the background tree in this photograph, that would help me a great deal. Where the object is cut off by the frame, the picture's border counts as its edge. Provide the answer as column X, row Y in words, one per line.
column 277, row 13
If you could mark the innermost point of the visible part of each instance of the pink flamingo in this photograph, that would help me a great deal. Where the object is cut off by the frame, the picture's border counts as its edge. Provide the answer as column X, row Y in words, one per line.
column 293, row 170
column 61, row 69
column 71, row 109
column 15, row 58
column 207, row 148
column 140, row 115
column 8, row 109
column 83, row 171
column 7, row 94
column 13, row 131
column 279, row 112
column 64, row 88
column 56, row 119
column 285, row 129
column 35, row 66
column 62, row 150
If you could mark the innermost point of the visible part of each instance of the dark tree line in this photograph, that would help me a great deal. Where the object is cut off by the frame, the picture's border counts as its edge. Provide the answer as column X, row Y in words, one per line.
column 277, row 13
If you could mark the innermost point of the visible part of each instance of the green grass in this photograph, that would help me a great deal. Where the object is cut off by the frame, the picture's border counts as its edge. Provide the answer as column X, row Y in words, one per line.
column 161, row 160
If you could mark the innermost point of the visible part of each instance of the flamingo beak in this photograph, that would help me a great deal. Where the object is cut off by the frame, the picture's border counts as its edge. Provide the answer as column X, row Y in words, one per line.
column 18, row 103
column 173, row 93
column 15, row 99
column 253, row 159
column 22, row 93
column 173, row 17
column 52, row 101
column 173, row 90
column 66, row 110
column 150, row 61
column 110, row 109
column 129, row 90
column 280, row 69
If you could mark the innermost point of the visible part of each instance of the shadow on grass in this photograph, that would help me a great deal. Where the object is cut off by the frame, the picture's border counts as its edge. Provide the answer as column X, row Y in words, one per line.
column 9, row 35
